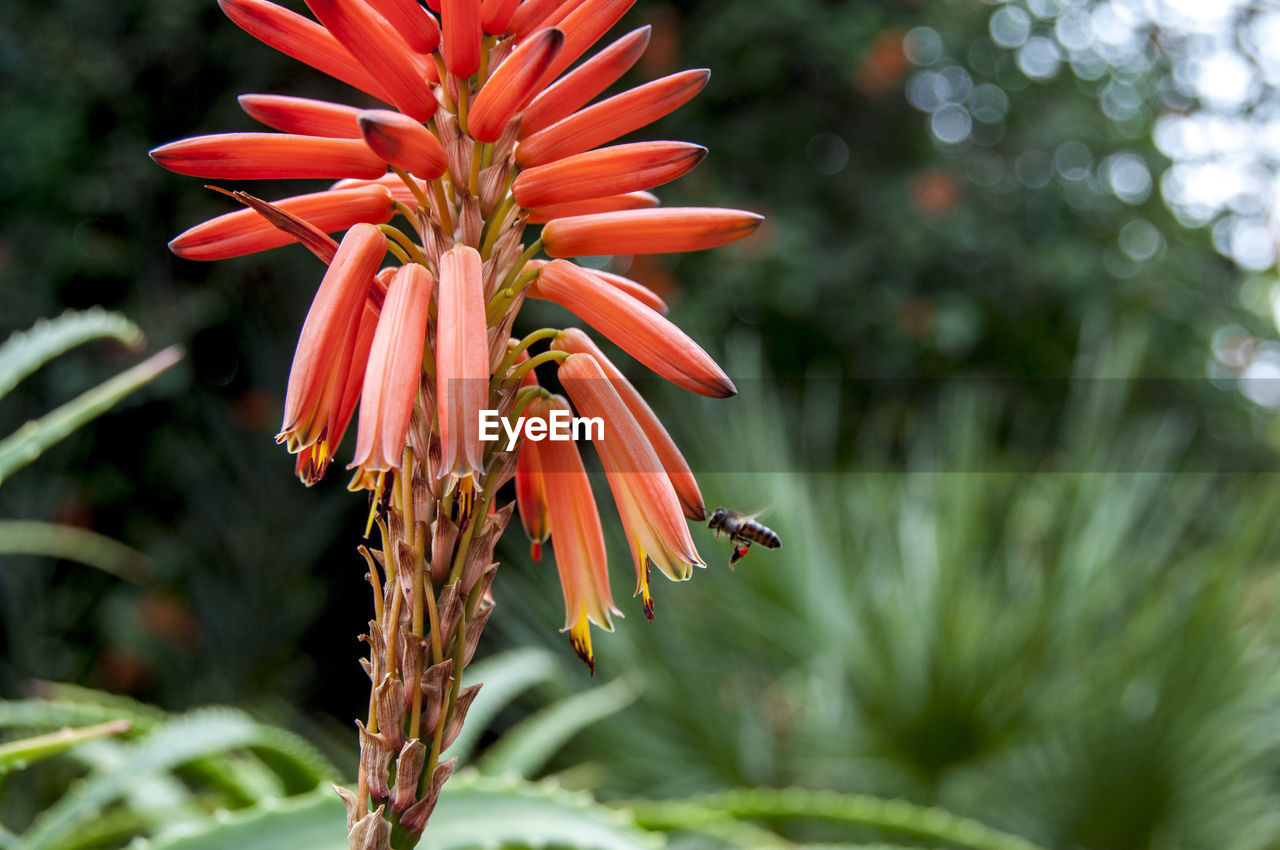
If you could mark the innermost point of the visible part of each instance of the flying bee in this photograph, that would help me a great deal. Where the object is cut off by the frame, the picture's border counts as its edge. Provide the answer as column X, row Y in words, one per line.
column 743, row 530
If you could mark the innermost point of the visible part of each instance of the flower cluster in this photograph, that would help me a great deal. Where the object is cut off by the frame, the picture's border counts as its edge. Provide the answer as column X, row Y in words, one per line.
column 497, row 129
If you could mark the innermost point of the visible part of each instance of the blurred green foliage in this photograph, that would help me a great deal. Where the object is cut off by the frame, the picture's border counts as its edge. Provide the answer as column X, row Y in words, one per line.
column 1017, row 581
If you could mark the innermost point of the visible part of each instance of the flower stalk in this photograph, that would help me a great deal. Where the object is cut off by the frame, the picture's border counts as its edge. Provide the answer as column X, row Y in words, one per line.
column 489, row 140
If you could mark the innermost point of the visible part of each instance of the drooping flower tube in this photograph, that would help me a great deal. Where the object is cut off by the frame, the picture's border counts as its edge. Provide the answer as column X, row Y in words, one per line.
column 462, row 376
column 646, row 501
column 577, row 539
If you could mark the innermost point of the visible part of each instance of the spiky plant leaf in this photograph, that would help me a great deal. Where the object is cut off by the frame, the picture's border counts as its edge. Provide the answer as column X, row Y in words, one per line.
column 15, row 755
column 26, row 351
column 51, row 540
column 525, row 748
column 28, row 442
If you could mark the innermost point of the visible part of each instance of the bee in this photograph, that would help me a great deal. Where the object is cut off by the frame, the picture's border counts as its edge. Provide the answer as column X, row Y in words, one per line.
column 743, row 530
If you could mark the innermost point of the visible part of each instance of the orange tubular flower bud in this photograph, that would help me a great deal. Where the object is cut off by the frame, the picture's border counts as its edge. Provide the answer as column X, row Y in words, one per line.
column 380, row 50
column 531, row 497
column 512, row 85
column 576, row 88
column 636, row 329
column 575, row 341
column 608, row 171
column 646, row 502
column 392, row 376
column 657, row 231
column 610, row 203
column 462, row 361
column 403, row 142
column 607, row 120
column 583, row 27
column 302, row 115
column 313, row 461
column 246, row 232
column 419, row 30
column 643, row 294
column 301, row 39
column 577, row 538
column 268, row 156
column 462, row 35
column 323, row 357
column 530, row 16
column 496, row 15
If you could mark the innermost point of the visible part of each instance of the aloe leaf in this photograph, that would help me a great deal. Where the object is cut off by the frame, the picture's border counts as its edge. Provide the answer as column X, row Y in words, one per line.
column 29, row 441
column 183, row 739
column 18, row 754
column 51, row 540
column 473, row 812
column 527, row 747
column 898, row 816
column 26, row 351
column 505, row 677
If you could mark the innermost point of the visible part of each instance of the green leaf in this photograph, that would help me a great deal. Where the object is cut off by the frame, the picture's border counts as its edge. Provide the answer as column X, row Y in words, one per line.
column 183, row 739
column 18, row 754
column 505, row 677
column 28, row 442
column 527, row 747
column 26, row 351
column 473, row 812
column 898, row 816
column 51, row 540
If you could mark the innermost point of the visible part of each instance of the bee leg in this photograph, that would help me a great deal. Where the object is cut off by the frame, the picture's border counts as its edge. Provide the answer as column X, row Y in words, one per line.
column 739, row 552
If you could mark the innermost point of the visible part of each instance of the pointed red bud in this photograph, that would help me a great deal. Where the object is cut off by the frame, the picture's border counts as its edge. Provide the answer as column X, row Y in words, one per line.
column 413, row 23
column 656, row 231
column 403, row 142
column 379, row 49
column 496, row 15
column 607, row 120
column 608, row 171
column 461, row 37
column 576, row 89
column 302, row 115
column 641, row 332
column 268, row 156
column 583, row 27
column 512, row 85
column 245, row 231
column 302, row 39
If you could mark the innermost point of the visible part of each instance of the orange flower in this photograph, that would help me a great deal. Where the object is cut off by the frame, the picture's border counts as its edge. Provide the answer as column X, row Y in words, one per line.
column 576, row 88
column 512, row 85
column 302, row 115
column 462, row 362
column 304, row 40
column 574, row 341
column 412, row 22
column 607, row 171
column 392, row 376
column 313, row 461
column 462, row 33
column 646, row 501
column 245, row 231
column 656, row 231
column 607, row 120
column 638, row 330
column 496, row 15
column 576, row 537
column 403, row 142
column 321, row 363
column 267, row 156
column 609, row 203
column 583, row 27
column 381, row 51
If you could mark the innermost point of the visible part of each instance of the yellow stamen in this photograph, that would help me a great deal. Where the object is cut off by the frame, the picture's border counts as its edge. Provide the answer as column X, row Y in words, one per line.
column 580, row 638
